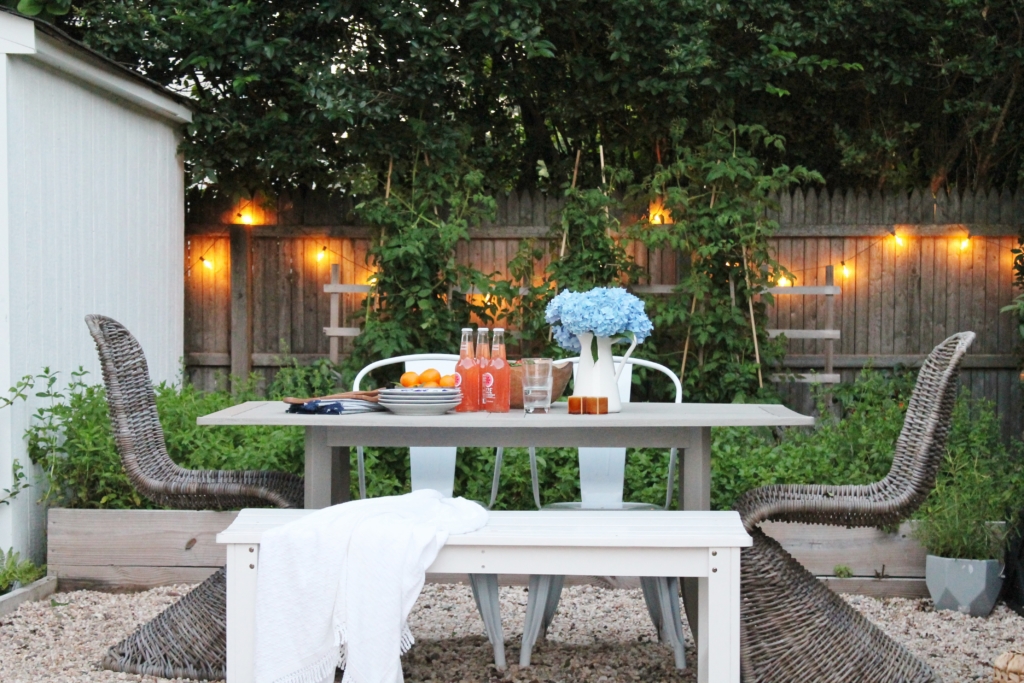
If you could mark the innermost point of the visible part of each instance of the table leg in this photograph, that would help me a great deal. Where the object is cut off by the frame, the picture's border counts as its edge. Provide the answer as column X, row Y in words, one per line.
column 695, row 494
column 327, row 470
column 720, row 618
column 243, row 560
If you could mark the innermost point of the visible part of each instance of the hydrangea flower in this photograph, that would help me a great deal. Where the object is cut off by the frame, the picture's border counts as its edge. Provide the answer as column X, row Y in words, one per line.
column 605, row 311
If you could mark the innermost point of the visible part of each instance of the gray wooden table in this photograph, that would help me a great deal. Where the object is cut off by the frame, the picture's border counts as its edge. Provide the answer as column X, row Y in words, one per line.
column 686, row 426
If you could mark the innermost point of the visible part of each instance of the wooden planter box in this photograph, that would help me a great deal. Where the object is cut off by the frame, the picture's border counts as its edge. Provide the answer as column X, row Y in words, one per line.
column 127, row 550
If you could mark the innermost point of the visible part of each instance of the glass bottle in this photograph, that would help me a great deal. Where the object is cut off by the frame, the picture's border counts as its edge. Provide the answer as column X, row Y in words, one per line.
column 467, row 374
column 498, row 376
column 483, row 359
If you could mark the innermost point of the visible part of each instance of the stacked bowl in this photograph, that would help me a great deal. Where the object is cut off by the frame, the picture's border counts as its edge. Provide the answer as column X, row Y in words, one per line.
column 419, row 401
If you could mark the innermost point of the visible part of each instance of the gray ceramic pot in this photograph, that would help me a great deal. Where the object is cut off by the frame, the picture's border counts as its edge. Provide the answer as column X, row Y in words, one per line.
column 968, row 586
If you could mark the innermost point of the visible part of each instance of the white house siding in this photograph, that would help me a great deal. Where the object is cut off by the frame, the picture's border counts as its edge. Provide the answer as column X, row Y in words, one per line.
column 96, row 226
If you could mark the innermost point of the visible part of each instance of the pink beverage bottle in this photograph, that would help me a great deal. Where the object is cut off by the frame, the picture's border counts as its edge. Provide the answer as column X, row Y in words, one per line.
column 483, row 359
column 498, row 376
column 467, row 374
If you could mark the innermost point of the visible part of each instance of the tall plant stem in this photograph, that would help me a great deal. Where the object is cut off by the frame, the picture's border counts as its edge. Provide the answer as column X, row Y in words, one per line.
column 753, row 325
column 387, row 186
column 565, row 227
column 686, row 344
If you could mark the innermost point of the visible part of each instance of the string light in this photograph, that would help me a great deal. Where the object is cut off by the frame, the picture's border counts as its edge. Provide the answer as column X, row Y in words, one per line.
column 321, row 254
column 899, row 240
column 246, row 218
column 846, row 271
column 965, row 244
column 208, row 264
column 783, row 281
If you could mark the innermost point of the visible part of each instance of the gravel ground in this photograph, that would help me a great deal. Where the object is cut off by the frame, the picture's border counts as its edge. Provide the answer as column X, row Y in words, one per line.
column 599, row 635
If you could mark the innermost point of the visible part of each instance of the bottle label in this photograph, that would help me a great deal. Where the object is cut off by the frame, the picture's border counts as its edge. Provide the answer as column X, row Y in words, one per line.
column 488, row 379
column 458, row 380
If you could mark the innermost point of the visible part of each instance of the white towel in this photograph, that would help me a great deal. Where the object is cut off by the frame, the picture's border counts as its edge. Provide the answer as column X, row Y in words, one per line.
column 336, row 587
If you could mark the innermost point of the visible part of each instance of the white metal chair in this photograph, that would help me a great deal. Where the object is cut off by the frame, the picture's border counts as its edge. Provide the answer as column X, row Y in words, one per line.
column 433, row 467
column 602, row 476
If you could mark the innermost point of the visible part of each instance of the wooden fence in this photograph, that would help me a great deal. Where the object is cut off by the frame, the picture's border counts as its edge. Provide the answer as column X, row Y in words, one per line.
column 254, row 293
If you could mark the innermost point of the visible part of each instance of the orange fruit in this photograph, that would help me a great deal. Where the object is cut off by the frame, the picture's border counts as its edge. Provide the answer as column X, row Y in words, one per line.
column 447, row 381
column 430, row 375
column 410, row 379
column 430, row 385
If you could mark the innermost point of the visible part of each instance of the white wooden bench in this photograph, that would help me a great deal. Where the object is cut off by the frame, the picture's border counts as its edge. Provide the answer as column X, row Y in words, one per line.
column 605, row 543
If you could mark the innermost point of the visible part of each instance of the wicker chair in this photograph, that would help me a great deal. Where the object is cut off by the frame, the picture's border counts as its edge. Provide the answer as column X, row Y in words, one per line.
column 793, row 627
column 188, row 639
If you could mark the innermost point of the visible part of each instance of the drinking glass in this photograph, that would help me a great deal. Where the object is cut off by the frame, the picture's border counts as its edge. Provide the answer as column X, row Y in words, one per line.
column 537, row 381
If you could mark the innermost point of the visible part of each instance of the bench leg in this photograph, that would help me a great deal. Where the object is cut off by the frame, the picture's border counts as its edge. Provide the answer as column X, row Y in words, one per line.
column 719, row 604
column 541, row 605
column 243, row 561
column 485, row 592
column 662, row 597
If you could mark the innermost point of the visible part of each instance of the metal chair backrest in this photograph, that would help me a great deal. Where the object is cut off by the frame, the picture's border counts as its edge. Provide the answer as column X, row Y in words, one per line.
column 626, row 376
column 430, row 467
column 414, row 362
column 601, row 476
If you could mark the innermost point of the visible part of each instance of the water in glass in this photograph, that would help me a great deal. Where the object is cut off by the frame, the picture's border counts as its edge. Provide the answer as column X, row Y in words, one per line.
column 537, row 382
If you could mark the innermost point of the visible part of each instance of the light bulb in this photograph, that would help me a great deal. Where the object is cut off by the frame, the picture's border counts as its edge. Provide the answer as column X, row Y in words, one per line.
column 208, row 264
column 247, row 218
column 899, row 240
column 320, row 256
column 846, row 271
column 965, row 244
column 783, row 281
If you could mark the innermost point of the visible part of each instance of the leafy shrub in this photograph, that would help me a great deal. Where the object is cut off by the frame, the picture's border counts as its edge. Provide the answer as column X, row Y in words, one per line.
column 852, row 444
column 15, row 572
column 978, row 484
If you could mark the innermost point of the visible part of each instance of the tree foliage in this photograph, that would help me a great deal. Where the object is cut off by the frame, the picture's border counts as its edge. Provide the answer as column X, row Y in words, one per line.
column 867, row 93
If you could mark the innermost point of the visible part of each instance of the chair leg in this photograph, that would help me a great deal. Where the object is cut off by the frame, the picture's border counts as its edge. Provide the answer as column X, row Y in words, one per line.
column 497, row 476
column 535, row 478
column 661, row 594
column 362, row 471
column 537, row 605
column 551, row 605
column 672, row 454
column 485, row 593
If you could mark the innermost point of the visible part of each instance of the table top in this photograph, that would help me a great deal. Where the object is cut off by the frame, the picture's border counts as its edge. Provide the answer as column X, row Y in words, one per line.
column 639, row 424
column 597, row 528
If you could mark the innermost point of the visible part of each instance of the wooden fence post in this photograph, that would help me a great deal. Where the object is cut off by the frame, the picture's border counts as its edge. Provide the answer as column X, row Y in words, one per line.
column 241, row 306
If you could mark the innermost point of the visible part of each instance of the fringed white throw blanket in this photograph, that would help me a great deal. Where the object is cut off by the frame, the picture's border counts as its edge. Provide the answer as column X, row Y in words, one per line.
column 335, row 588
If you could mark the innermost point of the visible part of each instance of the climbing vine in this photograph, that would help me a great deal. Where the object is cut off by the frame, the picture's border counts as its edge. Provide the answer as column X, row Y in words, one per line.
column 711, row 329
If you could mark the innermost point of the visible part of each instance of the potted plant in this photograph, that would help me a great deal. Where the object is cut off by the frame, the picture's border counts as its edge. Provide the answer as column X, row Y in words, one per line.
column 961, row 531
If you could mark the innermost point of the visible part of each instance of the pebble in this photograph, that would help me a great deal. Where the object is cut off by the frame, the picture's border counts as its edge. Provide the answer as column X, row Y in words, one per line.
column 598, row 635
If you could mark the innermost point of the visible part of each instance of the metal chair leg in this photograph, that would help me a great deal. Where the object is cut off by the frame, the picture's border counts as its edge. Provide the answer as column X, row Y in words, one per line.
column 485, row 593
column 671, row 478
column 362, row 471
column 534, row 476
column 661, row 594
column 497, row 476
column 536, row 605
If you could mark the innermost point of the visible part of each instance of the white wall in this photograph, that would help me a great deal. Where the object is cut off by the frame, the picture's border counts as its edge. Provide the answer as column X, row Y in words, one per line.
column 96, row 206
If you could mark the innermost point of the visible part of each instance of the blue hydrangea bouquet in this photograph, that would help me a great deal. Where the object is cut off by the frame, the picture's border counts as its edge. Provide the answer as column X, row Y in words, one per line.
column 609, row 314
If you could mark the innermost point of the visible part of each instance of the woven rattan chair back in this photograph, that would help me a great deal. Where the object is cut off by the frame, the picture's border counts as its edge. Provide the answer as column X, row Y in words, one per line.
column 140, row 438
column 911, row 478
